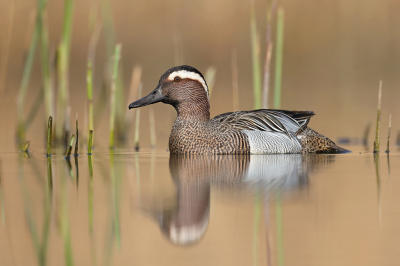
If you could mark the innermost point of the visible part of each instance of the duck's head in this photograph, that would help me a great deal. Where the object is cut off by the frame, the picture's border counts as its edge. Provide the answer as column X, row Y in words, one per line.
column 180, row 84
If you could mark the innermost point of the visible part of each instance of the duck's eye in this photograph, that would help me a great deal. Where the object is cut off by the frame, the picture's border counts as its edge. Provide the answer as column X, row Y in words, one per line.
column 177, row 79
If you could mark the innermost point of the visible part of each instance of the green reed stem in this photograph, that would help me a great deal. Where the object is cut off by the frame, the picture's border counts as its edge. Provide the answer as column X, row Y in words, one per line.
column 255, row 49
column 89, row 82
column 388, row 140
column 109, row 34
column 113, row 94
column 27, row 73
column 90, row 142
column 62, row 67
column 45, row 64
column 71, row 143
column 279, row 58
column 77, row 137
column 137, row 121
column 49, row 135
column 378, row 120
column 268, row 53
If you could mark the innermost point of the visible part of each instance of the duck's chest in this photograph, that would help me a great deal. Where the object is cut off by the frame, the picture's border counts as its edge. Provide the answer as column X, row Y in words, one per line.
column 201, row 138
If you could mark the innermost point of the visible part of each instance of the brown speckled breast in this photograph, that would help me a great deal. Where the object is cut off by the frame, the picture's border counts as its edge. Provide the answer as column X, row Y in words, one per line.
column 191, row 137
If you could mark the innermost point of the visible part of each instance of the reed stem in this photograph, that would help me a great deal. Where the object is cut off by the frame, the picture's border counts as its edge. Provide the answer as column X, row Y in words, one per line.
column 388, row 140
column 27, row 73
column 49, row 134
column 26, row 147
column 89, row 73
column 271, row 4
column 90, row 142
column 133, row 91
column 89, row 82
column 77, row 137
column 62, row 68
column 137, row 121
column 378, row 120
column 113, row 94
column 255, row 49
column 69, row 149
column 210, row 78
column 279, row 58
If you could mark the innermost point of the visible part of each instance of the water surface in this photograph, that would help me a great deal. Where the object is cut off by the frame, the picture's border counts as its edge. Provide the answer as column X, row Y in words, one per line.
column 149, row 208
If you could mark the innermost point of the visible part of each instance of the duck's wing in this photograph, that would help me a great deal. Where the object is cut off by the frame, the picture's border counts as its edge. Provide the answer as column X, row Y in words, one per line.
column 288, row 122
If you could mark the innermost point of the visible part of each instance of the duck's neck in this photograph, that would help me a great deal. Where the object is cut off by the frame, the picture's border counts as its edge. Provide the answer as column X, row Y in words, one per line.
column 193, row 111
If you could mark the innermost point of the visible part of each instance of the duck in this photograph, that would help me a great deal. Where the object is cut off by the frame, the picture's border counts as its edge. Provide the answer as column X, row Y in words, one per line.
column 263, row 131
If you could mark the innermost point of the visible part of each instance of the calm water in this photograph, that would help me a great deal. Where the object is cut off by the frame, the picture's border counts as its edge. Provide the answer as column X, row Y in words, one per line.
column 152, row 209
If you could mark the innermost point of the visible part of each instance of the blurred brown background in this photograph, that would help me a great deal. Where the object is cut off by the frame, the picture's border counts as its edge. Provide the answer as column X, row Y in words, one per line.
column 335, row 53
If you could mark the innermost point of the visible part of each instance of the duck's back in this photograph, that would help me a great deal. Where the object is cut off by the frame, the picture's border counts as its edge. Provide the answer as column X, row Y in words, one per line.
column 267, row 131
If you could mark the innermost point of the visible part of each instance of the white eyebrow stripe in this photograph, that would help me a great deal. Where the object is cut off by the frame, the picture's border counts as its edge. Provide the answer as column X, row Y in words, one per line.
column 183, row 74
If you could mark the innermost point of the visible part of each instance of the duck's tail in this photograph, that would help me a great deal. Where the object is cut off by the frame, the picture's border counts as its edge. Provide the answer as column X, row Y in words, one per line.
column 313, row 142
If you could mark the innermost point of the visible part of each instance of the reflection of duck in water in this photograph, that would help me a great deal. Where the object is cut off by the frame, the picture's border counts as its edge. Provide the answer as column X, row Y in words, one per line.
column 187, row 222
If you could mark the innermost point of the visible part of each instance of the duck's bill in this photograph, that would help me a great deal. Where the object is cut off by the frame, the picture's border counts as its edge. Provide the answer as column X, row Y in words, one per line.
column 154, row 97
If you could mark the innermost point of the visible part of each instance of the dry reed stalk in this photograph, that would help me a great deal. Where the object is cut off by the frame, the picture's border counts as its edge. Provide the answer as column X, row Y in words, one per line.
column 26, row 147
column 113, row 105
column 49, row 135
column 6, row 47
column 271, row 5
column 255, row 49
column 210, row 78
column 279, row 58
column 152, row 129
column 137, row 121
column 235, row 83
column 378, row 120
column 69, row 149
column 390, row 127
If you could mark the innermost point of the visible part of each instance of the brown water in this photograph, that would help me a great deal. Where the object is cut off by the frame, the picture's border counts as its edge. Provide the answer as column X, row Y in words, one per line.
column 152, row 209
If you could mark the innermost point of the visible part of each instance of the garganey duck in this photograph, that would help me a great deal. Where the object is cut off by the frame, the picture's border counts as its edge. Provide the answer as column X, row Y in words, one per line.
column 264, row 131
